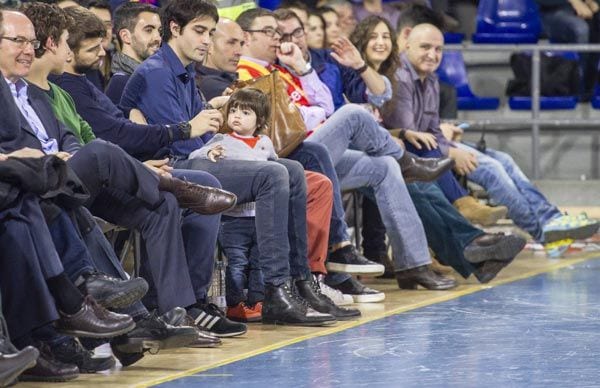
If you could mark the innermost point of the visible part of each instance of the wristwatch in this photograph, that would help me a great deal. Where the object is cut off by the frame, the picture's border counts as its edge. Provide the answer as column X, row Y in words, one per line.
column 307, row 69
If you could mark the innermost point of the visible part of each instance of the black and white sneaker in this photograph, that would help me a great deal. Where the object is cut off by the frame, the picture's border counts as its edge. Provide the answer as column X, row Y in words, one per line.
column 71, row 352
column 210, row 318
column 359, row 292
column 348, row 260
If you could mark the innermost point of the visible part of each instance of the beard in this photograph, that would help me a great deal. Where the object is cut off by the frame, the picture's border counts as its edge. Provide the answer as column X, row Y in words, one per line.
column 81, row 68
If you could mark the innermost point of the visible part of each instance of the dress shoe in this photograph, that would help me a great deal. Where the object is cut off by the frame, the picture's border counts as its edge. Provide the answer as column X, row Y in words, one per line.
column 488, row 270
column 70, row 351
column 283, row 306
column 152, row 334
column 48, row 368
column 497, row 246
column 13, row 364
column 411, row 278
column 200, row 199
column 415, row 168
column 478, row 213
column 179, row 317
column 311, row 292
column 111, row 292
column 94, row 321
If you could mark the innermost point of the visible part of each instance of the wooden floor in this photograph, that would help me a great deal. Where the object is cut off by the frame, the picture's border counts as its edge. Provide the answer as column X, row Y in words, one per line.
column 168, row 365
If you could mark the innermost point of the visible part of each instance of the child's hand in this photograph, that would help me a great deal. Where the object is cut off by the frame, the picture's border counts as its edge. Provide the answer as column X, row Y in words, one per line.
column 216, row 153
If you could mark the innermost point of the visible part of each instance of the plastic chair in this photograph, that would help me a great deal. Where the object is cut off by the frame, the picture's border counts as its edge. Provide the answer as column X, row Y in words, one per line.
column 269, row 4
column 507, row 21
column 452, row 70
column 548, row 102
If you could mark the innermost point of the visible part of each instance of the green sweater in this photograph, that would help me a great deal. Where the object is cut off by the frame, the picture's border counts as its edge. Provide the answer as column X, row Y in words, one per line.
column 64, row 109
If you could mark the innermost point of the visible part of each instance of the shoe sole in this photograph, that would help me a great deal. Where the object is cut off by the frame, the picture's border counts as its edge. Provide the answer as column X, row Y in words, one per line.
column 54, row 379
column 123, row 299
column 500, row 252
column 242, row 320
column 201, row 346
column 348, row 318
column 580, row 233
column 137, row 345
column 370, row 269
column 228, row 335
column 308, row 324
column 108, row 364
column 486, row 278
column 373, row 298
column 10, row 378
column 87, row 334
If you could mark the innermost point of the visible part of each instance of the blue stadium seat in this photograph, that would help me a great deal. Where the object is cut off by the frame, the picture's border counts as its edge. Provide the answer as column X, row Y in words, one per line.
column 452, row 70
column 596, row 98
column 507, row 21
column 547, row 102
column 453, row 37
column 269, row 4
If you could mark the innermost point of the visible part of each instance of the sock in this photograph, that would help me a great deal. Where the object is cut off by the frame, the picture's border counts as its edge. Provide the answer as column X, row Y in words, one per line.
column 68, row 298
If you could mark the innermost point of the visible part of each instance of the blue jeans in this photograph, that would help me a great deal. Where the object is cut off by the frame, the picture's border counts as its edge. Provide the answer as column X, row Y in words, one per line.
column 267, row 184
column 507, row 185
column 237, row 237
column 447, row 181
column 376, row 166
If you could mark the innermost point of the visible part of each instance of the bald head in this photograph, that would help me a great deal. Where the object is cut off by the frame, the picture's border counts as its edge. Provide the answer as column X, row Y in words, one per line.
column 16, row 57
column 226, row 48
column 424, row 48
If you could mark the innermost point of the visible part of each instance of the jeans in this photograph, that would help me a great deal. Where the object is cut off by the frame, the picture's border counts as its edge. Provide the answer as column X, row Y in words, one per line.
column 506, row 184
column 237, row 237
column 448, row 232
column 315, row 157
column 267, row 184
column 375, row 166
column 448, row 183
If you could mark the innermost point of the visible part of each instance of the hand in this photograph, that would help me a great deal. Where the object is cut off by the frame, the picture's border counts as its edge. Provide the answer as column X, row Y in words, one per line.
column 27, row 153
column 581, row 9
column 160, row 167
column 451, row 131
column 137, row 116
column 346, row 53
column 465, row 162
column 216, row 153
column 3, row 157
column 219, row 101
column 64, row 156
column 416, row 138
column 592, row 5
column 227, row 92
column 289, row 54
column 209, row 120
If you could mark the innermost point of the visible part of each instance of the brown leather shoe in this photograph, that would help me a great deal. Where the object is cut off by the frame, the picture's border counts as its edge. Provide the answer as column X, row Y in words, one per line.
column 423, row 169
column 200, row 199
column 411, row 278
column 94, row 321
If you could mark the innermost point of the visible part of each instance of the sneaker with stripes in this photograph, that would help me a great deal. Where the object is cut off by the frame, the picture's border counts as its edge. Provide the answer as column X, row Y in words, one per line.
column 210, row 318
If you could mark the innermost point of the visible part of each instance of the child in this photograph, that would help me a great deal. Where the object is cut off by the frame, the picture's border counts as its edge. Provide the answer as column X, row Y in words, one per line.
column 248, row 111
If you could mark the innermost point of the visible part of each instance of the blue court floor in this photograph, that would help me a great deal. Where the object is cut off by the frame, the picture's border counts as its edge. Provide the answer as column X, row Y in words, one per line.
column 543, row 331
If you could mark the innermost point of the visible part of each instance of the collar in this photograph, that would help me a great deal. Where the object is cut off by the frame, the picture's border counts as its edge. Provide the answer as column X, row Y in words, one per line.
column 259, row 61
column 185, row 74
column 209, row 71
column 413, row 73
column 123, row 63
column 17, row 88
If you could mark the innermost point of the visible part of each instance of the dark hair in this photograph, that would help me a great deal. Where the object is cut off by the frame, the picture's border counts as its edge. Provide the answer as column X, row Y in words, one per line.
column 325, row 9
column 283, row 14
column 416, row 14
column 126, row 16
column 247, row 17
column 360, row 38
column 182, row 12
column 287, row 4
column 49, row 21
column 316, row 14
column 84, row 25
column 254, row 100
column 100, row 4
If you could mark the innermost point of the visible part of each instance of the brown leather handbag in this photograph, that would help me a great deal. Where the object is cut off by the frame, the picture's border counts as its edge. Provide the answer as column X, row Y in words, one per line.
column 286, row 127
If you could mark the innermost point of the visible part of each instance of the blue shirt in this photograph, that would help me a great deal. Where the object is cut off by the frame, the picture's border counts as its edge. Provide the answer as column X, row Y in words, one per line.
column 19, row 93
column 165, row 91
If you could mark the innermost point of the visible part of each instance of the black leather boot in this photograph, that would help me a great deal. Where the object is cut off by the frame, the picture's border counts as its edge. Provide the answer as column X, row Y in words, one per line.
column 311, row 292
column 282, row 305
column 411, row 278
column 423, row 169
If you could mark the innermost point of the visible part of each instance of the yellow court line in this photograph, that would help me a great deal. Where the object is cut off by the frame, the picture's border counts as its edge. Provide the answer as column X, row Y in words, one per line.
column 348, row 325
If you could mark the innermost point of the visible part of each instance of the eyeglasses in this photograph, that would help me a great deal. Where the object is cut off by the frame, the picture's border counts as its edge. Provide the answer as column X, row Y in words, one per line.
column 297, row 33
column 22, row 42
column 270, row 32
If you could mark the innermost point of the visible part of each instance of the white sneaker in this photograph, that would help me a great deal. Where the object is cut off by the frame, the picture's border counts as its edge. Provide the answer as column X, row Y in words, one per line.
column 336, row 296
